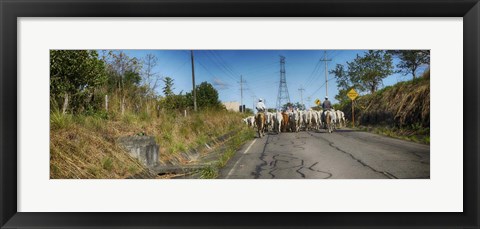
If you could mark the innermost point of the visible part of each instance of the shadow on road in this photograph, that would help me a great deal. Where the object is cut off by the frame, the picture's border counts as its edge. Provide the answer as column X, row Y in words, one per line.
column 321, row 131
column 345, row 131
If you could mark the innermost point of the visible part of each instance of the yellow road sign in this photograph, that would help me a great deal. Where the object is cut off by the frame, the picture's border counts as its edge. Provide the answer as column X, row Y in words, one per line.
column 317, row 101
column 352, row 94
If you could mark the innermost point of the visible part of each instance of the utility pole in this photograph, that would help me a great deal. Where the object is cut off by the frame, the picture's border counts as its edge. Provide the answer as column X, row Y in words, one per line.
column 301, row 89
column 241, row 92
column 309, row 99
column 326, row 71
column 193, row 83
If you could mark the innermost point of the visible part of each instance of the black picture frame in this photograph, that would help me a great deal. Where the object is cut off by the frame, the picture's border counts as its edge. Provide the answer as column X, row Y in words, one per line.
column 10, row 10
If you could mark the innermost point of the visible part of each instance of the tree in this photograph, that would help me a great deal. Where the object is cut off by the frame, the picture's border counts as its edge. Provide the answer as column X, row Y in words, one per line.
column 287, row 105
column 411, row 60
column 367, row 72
column 149, row 76
column 171, row 101
column 342, row 95
column 131, row 79
column 168, row 88
column 343, row 79
column 299, row 106
column 364, row 73
column 119, row 63
column 344, row 83
column 74, row 75
column 207, row 96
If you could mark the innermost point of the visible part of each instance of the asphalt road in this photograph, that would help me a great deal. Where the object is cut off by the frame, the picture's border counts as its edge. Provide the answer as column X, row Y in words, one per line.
column 344, row 154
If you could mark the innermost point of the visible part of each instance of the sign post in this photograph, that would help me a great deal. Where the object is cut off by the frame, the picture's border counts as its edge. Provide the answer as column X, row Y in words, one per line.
column 352, row 94
column 318, row 102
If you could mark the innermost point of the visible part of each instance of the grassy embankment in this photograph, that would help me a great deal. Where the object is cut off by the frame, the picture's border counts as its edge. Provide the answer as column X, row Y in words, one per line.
column 85, row 146
column 399, row 111
column 228, row 150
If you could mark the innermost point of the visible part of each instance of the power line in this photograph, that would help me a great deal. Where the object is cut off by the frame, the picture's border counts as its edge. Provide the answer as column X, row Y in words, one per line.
column 315, row 79
column 321, row 87
column 229, row 67
column 221, row 68
column 312, row 75
column 224, row 64
column 262, row 68
column 204, row 67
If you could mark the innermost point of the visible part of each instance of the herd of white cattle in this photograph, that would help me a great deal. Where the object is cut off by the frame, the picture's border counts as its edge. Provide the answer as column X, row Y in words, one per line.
column 297, row 120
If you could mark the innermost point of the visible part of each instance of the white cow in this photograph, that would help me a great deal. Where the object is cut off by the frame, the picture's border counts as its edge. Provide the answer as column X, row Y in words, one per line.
column 269, row 119
column 314, row 120
column 294, row 118
column 300, row 119
column 306, row 119
column 319, row 119
column 277, row 122
column 251, row 121
column 340, row 119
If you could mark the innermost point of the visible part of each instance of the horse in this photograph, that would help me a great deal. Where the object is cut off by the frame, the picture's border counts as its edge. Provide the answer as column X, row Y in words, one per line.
column 285, row 121
column 329, row 120
column 260, row 121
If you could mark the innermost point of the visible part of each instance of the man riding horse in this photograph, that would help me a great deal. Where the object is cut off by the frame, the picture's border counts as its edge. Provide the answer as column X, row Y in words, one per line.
column 260, row 117
column 327, row 107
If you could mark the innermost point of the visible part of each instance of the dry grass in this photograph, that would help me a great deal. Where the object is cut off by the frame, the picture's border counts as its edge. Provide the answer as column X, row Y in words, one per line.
column 84, row 146
column 77, row 152
column 402, row 105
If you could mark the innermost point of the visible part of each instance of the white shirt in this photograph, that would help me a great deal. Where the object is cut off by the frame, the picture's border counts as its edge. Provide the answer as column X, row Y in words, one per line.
column 260, row 106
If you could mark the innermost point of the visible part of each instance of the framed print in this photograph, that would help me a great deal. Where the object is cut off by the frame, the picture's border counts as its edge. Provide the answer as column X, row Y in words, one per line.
column 239, row 114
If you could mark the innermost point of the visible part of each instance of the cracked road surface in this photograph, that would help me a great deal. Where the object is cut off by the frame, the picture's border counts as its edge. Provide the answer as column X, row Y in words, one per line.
column 344, row 154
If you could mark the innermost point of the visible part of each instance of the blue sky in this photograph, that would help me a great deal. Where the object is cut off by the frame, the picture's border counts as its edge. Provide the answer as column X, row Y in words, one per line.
column 259, row 68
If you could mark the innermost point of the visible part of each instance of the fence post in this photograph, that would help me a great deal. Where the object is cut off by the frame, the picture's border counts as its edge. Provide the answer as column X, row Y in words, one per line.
column 106, row 103
column 123, row 105
column 353, row 113
column 65, row 104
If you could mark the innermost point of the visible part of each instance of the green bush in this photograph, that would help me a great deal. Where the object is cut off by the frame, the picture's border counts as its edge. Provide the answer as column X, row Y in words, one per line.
column 60, row 121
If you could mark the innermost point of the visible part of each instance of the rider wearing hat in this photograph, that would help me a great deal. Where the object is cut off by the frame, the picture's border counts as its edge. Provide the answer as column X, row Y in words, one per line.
column 327, row 105
column 260, row 106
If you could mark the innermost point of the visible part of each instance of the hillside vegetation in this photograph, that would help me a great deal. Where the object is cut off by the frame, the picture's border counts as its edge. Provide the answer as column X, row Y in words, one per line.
column 401, row 110
column 84, row 146
column 97, row 98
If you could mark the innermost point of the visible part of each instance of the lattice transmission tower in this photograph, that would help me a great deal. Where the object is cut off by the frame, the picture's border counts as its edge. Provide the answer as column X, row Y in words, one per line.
column 283, row 96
